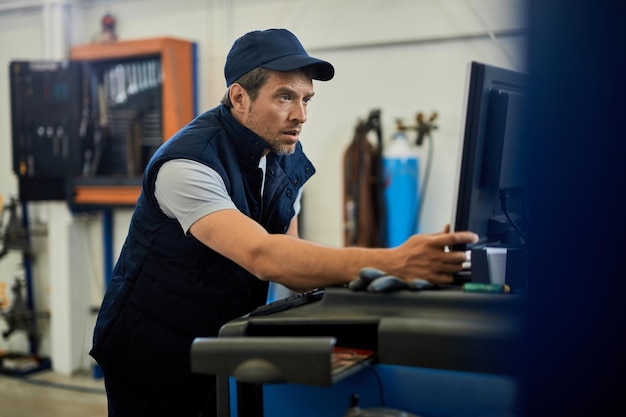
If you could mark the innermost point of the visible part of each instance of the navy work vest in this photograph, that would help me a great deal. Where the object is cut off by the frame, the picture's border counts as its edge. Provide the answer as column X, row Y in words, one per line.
column 167, row 287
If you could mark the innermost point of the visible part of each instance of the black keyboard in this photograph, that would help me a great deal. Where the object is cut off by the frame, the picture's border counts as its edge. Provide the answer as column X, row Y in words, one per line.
column 292, row 301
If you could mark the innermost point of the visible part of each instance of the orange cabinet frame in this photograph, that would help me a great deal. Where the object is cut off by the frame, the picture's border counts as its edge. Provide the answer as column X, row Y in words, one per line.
column 178, row 101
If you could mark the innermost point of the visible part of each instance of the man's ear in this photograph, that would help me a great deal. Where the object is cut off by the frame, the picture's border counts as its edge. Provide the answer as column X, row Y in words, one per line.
column 239, row 98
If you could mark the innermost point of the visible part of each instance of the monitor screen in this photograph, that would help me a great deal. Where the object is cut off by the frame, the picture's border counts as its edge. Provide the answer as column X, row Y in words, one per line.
column 489, row 198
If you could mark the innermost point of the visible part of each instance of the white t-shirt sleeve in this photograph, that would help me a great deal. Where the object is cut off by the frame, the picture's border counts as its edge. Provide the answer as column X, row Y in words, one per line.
column 188, row 190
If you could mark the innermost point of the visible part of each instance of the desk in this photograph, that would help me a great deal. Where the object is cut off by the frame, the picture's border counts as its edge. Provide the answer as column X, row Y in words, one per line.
column 443, row 329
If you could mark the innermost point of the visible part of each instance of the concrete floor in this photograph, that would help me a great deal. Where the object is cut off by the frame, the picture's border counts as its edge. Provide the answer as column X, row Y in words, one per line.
column 52, row 395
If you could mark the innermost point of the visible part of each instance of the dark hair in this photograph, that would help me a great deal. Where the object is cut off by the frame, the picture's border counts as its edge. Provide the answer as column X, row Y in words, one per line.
column 253, row 80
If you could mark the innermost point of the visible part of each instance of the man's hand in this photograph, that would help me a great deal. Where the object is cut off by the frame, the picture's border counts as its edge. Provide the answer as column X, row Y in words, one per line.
column 427, row 256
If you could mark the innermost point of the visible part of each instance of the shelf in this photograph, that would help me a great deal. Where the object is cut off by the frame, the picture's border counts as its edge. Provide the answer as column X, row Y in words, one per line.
column 103, row 192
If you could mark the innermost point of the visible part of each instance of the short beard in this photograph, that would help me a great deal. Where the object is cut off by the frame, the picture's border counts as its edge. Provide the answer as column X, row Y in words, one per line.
column 273, row 144
column 280, row 149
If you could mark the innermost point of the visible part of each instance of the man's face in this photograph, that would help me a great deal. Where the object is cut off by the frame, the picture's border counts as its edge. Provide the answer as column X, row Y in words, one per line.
column 280, row 109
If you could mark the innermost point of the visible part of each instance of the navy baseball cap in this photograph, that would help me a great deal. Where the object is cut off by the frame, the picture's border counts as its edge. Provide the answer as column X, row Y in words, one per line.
column 274, row 49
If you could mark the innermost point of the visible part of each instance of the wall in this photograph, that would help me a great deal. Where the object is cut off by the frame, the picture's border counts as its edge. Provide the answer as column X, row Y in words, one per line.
column 23, row 25
column 401, row 56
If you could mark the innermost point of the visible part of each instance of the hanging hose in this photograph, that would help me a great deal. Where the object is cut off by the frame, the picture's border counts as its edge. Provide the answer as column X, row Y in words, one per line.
column 363, row 183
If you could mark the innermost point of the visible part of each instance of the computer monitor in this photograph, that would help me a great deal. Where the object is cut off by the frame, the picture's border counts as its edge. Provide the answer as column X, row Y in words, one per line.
column 490, row 194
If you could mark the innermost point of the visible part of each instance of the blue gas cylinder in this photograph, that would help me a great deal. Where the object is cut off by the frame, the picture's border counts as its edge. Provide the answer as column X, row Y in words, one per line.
column 401, row 189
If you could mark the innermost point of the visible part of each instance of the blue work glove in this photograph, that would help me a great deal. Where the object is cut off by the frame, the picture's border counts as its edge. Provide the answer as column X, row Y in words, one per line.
column 375, row 280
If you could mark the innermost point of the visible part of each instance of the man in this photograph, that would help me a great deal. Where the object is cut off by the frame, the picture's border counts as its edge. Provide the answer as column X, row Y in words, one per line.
column 216, row 221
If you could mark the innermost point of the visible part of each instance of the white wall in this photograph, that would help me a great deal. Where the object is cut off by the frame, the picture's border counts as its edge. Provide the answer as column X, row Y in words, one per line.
column 24, row 26
column 401, row 56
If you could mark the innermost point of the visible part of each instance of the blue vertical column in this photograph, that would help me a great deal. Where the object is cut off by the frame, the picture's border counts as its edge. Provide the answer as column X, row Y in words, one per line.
column 107, row 244
column 28, row 278
column 107, row 249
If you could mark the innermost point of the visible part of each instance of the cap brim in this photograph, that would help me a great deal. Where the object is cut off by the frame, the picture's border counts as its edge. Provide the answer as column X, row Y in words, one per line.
column 324, row 70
